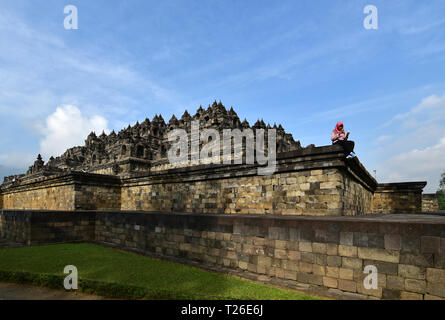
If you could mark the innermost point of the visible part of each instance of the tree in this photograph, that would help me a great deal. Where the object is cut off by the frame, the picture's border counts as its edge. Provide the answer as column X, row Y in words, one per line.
column 441, row 192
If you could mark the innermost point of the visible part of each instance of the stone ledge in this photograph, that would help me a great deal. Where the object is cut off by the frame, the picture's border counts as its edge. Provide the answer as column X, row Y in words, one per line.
column 420, row 218
column 415, row 186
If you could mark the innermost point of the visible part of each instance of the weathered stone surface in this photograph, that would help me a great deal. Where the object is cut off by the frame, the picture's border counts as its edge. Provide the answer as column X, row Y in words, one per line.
column 429, row 244
column 393, row 242
column 411, row 271
column 430, row 202
column 410, row 296
column 413, row 285
column 435, row 275
column 347, row 285
column 379, row 254
column 347, row 251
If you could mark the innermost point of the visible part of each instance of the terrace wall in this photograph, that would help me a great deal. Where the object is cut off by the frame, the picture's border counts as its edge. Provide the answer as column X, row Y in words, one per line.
column 430, row 202
column 312, row 181
column 328, row 252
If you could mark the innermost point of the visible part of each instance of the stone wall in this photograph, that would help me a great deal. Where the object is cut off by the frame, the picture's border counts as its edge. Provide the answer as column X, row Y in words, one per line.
column 430, row 202
column 43, row 227
column 319, row 181
column 98, row 197
column 312, row 192
column 66, row 191
column 15, row 226
column 405, row 197
column 329, row 252
column 319, row 251
column 50, row 197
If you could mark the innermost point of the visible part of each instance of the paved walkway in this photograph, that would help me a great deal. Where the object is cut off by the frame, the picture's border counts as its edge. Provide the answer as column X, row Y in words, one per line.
column 12, row 291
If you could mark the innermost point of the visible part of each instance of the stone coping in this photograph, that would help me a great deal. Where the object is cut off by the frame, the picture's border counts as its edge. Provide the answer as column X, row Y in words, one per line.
column 314, row 158
column 429, row 195
column 420, row 218
column 401, row 186
column 65, row 178
column 324, row 157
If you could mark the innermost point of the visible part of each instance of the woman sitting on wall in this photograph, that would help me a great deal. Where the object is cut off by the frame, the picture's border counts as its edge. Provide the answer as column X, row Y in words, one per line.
column 339, row 136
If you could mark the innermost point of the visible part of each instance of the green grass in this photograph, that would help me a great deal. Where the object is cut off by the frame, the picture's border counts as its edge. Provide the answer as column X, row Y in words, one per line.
column 115, row 273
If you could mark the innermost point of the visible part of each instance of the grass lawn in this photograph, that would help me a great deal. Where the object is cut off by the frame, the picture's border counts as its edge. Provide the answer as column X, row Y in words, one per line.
column 115, row 273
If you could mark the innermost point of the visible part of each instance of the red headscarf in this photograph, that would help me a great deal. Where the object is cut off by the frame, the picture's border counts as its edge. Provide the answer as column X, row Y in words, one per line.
column 337, row 128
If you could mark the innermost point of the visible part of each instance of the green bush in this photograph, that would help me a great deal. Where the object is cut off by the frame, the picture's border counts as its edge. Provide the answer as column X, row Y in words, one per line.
column 441, row 199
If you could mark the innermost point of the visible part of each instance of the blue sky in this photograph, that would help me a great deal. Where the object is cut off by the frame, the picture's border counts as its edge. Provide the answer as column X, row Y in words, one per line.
column 304, row 64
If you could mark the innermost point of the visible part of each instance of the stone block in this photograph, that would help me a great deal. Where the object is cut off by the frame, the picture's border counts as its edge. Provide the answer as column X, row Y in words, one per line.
column 243, row 265
column 330, row 282
column 279, row 272
column 334, row 261
column 318, row 270
column 347, row 285
column 290, row 275
column 351, row 263
column 410, row 244
column 307, row 257
column 281, row 244
column 305, row 246
column 289, row 265
column 393, row 242
column 332, row 249
column 264, row 261
column 319, row 247
column 360, row 239
column 379, row 254
column 421, row 260
column 418, row 286
column 436, row 289
column 435, row 275
column 410, row 296
column 310, row 278
column 395, row 283
column 332, row 272
column 429, row 244
column 431, row 297
column 305, row 267
column 347, row 251
column 280, row 254
column 411, row 272
column 346, row 238
column 346, row 274
column 320, row 259
column 390, row 294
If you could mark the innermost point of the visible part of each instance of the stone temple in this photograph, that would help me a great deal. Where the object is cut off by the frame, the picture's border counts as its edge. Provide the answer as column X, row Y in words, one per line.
column 317, row 220
column 144, row 145
column 130, row 171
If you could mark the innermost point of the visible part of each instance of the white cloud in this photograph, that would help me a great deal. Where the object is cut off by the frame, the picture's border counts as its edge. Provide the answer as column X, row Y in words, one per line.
column 429, row 103
column 419, row 164
column 418, row 152
column 66, row 128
